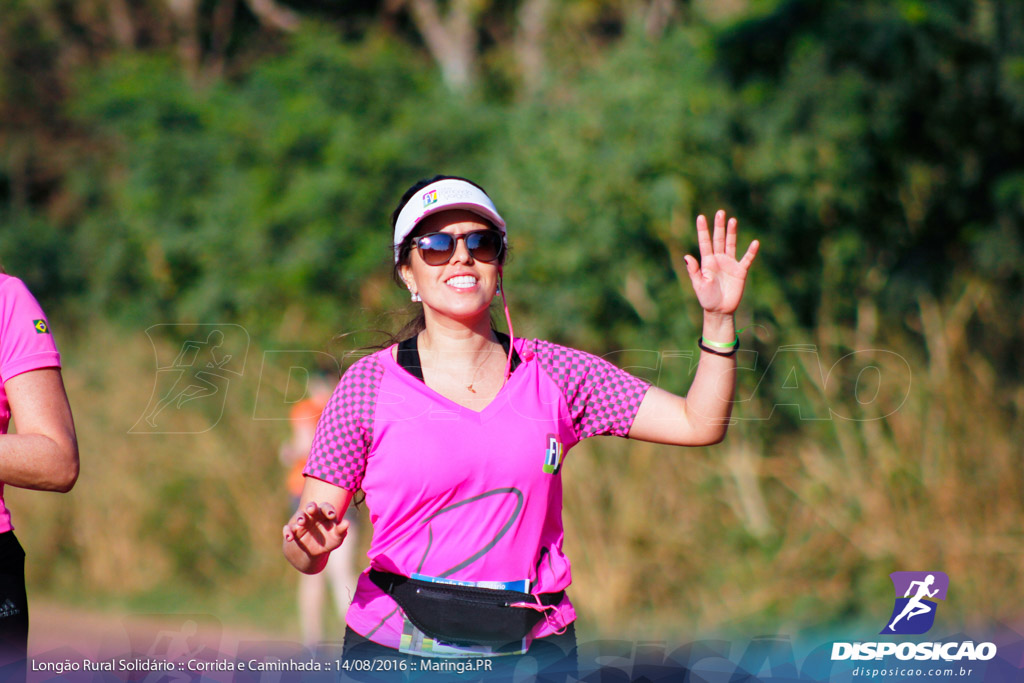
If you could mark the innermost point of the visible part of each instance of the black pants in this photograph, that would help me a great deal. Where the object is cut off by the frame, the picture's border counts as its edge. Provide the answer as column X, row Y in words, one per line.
column 13, row 609
column 549, row 660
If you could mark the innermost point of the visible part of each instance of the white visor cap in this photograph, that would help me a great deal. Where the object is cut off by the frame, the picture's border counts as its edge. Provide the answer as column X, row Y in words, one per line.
column 444, row 195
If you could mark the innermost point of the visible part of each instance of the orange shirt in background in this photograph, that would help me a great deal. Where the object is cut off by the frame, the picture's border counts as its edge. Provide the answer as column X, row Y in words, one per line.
column 303, row 415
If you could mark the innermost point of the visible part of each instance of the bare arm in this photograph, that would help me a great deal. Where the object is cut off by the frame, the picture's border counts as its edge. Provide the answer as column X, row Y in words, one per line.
column 317, row 527
column 43, row 455
column 702, row 417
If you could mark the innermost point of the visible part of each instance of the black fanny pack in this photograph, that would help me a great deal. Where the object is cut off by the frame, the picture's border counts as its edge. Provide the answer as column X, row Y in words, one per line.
column 465, row 615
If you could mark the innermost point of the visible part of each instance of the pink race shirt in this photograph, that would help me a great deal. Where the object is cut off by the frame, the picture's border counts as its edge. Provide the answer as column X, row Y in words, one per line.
column 461, row 494
column 25, row 344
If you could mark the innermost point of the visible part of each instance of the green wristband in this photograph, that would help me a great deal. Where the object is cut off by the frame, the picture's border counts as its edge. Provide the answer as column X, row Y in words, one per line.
column 720, row 345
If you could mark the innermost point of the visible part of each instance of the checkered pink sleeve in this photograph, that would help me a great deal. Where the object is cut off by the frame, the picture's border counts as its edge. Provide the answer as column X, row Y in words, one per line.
column 344, row 434
column 602, row 399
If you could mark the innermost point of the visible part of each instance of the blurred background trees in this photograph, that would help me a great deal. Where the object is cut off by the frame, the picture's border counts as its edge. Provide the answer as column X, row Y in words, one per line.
column 237, row 161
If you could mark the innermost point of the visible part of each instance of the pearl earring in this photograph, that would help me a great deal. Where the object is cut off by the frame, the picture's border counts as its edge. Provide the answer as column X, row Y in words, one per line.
column 412, row 295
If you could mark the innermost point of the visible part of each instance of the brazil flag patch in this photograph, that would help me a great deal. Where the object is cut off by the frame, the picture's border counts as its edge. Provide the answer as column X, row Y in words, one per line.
column 41, row 327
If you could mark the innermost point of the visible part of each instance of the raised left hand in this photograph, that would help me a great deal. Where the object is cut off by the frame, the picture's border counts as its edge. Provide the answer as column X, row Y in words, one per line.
column 718, row 278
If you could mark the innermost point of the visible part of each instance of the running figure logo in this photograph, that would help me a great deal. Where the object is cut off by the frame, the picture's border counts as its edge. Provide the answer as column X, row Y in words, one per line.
column 914, row 613
column 198, row 375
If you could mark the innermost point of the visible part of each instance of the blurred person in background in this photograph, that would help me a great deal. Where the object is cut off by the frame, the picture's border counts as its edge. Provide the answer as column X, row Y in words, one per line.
column 338, row 572
column 457, row 435
column 42, row 455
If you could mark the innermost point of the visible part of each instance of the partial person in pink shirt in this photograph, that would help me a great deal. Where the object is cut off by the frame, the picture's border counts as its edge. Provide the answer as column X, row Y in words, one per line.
column 457, row 436
column 42, row 455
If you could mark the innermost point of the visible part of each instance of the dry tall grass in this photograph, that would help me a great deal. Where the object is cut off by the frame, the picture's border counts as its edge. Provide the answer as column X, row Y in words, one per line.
column 799, row 534
column 176, row 520
column 768, row 534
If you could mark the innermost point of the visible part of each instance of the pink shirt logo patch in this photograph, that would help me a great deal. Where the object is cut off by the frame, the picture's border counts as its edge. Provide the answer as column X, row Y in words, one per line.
column 553, row 455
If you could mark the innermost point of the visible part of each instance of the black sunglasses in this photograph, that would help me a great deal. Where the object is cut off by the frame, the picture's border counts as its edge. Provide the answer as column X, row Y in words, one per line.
column 437, row 248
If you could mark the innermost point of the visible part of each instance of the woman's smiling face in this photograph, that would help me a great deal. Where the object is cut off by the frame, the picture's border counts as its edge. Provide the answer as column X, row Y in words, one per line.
column 461, row 288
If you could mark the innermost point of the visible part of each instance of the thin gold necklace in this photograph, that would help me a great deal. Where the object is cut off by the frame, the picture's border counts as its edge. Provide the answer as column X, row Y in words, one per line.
column 472, row 380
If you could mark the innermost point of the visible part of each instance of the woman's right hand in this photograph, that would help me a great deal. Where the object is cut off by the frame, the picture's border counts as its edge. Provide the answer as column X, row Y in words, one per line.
column 316, row 529
column 318, row 525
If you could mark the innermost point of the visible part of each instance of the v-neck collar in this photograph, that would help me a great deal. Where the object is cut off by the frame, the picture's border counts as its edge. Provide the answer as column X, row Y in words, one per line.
column 408, row 355
column 407, row 360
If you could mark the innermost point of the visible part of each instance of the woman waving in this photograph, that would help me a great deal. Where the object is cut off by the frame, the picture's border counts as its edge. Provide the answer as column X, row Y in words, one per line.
column 457, row 435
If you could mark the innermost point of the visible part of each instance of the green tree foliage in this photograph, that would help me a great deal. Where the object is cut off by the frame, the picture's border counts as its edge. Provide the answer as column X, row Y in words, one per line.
column 882, row 138
column 246, row 199
column 874, row 148
column 604, row 178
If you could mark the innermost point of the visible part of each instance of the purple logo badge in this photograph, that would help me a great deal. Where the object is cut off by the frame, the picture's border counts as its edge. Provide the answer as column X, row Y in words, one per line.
column 914, row 612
